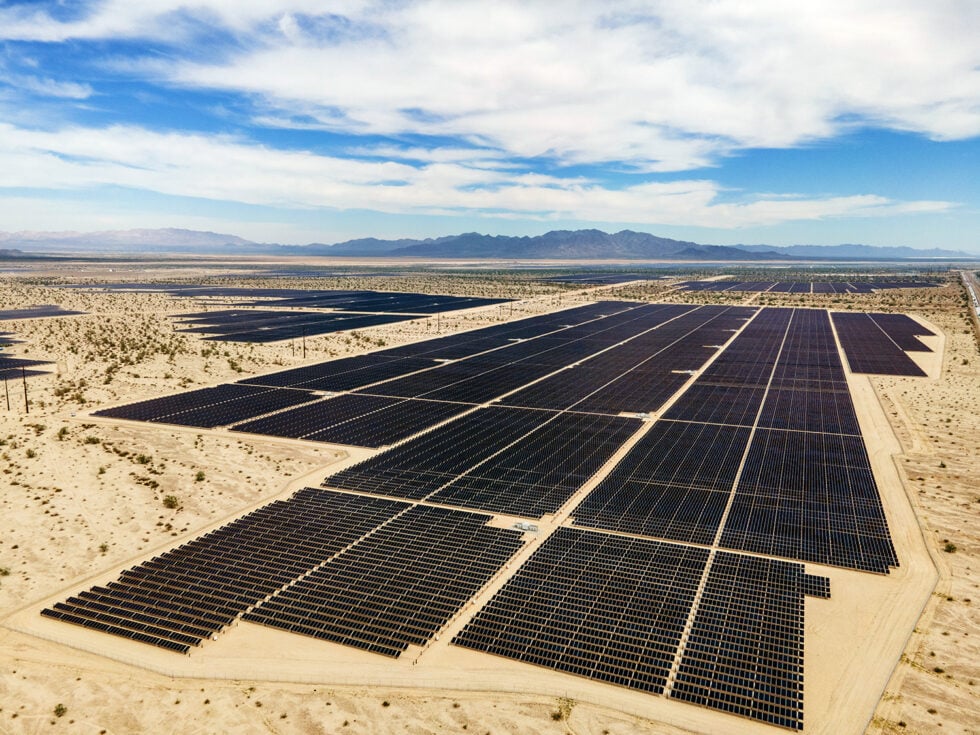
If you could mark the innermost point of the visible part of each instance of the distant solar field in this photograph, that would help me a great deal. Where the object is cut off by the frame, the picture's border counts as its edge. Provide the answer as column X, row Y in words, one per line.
column 842, row 287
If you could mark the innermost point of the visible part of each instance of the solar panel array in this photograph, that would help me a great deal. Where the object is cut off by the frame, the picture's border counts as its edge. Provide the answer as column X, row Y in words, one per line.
column 841, row 287
column 282, row 404
column 615, row 609
column 674, row 483
column 291, row 313
column 762, row 454
column 504, row 460
column 43, row 311
column 398, row 586
column 805, row 489
column 745, row 650
column 870, row 347
column 274, row 326
column 610, row 608
column 210, row 407
column 180, row 598
column 640, row 375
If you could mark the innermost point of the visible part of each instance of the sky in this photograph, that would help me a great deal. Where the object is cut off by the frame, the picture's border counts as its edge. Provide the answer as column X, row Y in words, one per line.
column 295, row 121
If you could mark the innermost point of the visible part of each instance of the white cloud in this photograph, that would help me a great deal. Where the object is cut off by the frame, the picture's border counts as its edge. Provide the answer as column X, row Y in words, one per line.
column 665, row 86
column 669, row 85
column 230, row 169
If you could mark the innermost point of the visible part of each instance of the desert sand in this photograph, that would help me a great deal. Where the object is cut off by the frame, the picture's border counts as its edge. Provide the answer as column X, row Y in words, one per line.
column 84, row 498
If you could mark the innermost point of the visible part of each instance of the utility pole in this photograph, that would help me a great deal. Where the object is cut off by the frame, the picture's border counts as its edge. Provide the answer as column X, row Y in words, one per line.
column 304, row 343
column 6, row 391
column 23, row 374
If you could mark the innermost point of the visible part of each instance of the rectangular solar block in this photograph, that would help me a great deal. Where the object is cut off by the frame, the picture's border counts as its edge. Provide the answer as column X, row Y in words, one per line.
column 811, row 497
column 180, row 598
column 745, row 651
column 869, row 349
column 674, row 483
column 398, row 586
column 608, row 608
column 360, row 420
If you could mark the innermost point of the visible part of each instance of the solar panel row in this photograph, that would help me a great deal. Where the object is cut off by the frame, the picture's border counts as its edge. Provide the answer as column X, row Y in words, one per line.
column 358, row 420
column 674, row 483
column 640, row 375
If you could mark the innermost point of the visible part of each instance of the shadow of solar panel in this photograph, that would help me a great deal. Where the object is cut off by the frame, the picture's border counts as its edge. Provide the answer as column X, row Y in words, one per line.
column 11, row 364
column 605, row 607
column 181, row 597
column 745, row 651
column 157, row 408
column 36, row 312
column 674, row 483
column 811, row 497
column 398, row 586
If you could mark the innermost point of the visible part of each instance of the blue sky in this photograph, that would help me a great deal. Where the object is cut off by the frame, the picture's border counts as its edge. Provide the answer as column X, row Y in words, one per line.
column 323, row 120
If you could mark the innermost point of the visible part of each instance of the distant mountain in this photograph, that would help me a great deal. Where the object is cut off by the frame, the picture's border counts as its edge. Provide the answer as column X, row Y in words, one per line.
column 554, row 245
column 141, row 240
column 858, row 252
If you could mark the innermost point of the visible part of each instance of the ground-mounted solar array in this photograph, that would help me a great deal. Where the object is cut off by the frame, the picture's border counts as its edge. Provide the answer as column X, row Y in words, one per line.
column 670, row 558
column 597, row 279
column 769, row 434
column 43, row 311
column 274, row 314
column 180, row 598
column 505, row 460
column 876, row 343
column 744, row 654
column 616, row 609
column 841, row 287
column 399, row 585
column 607, row 607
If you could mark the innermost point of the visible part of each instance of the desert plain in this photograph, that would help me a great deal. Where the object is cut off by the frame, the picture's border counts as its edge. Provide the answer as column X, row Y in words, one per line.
column 81, row 498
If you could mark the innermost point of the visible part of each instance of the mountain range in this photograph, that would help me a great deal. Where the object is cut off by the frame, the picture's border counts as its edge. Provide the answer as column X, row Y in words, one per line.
column 554, row 245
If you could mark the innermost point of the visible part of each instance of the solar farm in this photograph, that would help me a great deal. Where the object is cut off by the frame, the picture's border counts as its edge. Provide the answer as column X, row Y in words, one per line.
column 666, row 506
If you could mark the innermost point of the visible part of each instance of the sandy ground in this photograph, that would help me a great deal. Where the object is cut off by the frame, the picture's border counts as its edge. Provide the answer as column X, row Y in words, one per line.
column 89, row 500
